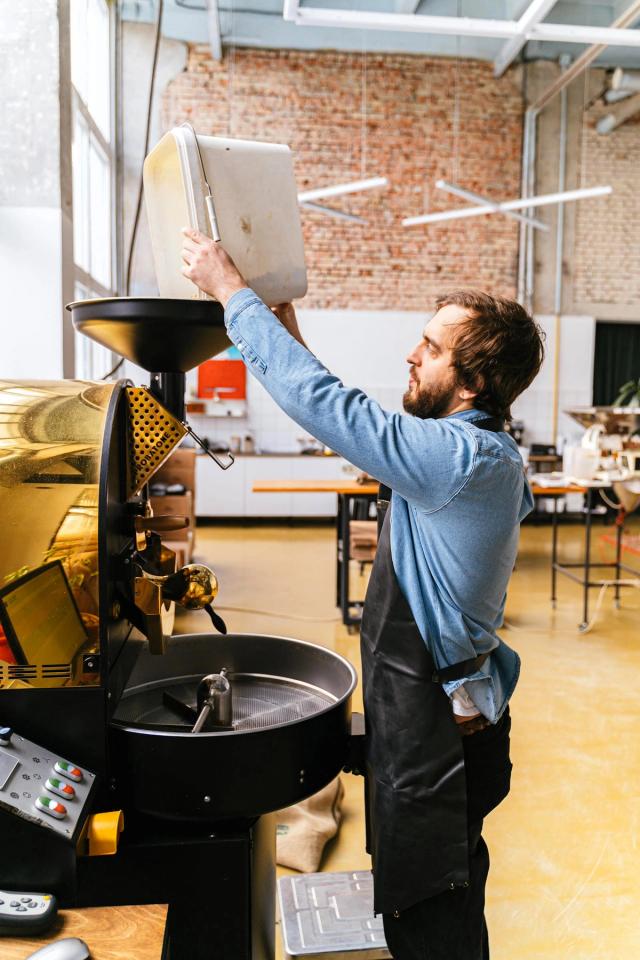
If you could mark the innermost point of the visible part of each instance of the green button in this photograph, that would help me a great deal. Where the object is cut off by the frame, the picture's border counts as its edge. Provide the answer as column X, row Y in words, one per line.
column 54, row 781
column 46, row 801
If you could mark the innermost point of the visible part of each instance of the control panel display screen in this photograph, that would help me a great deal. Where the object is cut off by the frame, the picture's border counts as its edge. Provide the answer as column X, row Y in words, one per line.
column 41, row 620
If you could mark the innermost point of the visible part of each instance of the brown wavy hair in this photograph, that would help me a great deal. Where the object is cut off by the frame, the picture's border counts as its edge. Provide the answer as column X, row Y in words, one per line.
column 497, row 350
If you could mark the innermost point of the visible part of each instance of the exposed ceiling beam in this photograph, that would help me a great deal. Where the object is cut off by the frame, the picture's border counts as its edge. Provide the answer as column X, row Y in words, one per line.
column 521, row 204
column 534, row 14
column 494, row 205
column 406, row 6
column 213, row 25
column 457, row 26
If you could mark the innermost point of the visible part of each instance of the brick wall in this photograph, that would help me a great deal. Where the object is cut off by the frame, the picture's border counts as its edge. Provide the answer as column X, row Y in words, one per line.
column 425, row 118
column 607, row 253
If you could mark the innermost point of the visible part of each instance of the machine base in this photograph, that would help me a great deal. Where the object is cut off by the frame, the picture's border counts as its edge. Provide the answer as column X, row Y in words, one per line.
column 218, row 882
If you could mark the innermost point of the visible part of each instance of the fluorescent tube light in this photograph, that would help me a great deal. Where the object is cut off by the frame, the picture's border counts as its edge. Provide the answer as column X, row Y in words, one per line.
column 342, row 188
column 331, row 212
column 521, row 204
column 493, row 204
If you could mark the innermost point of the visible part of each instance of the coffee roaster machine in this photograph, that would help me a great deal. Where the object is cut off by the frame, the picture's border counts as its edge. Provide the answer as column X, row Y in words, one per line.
column 138, row 767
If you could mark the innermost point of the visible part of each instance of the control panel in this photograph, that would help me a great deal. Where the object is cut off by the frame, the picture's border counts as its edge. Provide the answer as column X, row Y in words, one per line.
column 41, row 787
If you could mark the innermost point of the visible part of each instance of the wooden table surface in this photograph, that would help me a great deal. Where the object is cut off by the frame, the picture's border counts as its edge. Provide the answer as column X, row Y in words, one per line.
column 111, row 933
column 371, row 487
column 315, row 486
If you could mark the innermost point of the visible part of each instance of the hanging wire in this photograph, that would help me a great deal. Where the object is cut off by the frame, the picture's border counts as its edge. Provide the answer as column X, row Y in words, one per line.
column 455, row 172
column 363, row 110
column 231, row 69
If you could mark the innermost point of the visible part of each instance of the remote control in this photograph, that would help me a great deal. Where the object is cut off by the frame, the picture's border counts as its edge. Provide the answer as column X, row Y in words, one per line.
column 22, row 914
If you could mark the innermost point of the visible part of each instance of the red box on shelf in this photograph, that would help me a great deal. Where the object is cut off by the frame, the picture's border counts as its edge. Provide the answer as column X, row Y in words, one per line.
column 225, row 378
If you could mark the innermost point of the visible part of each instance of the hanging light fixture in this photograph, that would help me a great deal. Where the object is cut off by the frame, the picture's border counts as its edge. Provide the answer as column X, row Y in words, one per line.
column 522, row 203
column 341, row 188
column 493, row 205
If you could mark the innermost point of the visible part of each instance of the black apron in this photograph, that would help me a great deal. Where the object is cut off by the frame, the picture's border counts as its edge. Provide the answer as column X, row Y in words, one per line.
column 415, row 775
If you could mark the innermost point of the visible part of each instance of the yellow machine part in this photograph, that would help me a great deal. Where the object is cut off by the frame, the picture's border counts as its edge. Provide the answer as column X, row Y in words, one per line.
column 103, row 833
column 153, row 435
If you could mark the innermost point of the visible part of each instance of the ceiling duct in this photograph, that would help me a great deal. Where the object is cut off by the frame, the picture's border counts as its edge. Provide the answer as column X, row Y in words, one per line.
column 619, row 114
column 625, row 80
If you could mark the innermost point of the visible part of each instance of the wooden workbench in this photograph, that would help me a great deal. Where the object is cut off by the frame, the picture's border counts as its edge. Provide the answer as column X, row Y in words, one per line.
column 111, row 933
column 348, row 490
column 370, row 488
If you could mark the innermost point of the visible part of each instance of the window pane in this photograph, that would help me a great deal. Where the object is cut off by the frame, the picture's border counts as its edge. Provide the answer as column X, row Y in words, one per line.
column 81, row 214
column 100, row 215
column 92, row 360
column 90, row 58
column 98, row 86
column 79, row 46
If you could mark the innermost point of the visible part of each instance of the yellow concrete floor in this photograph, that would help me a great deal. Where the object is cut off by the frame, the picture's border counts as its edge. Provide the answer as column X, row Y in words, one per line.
column 564, row 882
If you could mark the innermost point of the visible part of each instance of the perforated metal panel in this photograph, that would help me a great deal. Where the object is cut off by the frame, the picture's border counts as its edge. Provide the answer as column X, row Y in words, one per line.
column 153, row 434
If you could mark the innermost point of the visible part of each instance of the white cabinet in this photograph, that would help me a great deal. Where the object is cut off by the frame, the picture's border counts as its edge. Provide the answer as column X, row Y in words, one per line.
column 229, row 493
column 267, row 504
column 219, row 493
column 316, row 468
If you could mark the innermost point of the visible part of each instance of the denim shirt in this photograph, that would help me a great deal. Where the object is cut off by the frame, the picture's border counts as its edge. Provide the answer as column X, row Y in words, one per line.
column 459, row 494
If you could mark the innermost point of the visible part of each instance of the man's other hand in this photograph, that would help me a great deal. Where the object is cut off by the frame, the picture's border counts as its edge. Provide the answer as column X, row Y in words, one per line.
column 287, row 317
column 210, row 267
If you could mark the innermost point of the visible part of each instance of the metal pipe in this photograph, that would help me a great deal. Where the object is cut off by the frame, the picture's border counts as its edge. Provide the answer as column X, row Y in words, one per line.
column 557, row 299
column 626, row 19
column 530, row 267
column 619, row 114
column 522, row 246
column 562, row 173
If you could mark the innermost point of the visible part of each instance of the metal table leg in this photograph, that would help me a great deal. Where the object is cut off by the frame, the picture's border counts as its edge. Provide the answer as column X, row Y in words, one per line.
column 619, row 529
column 339, row 552
column 587, row 563
column 344, row 565
column 554, row 552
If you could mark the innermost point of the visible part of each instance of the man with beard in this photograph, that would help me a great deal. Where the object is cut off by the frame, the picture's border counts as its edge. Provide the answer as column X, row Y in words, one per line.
column 437, row 678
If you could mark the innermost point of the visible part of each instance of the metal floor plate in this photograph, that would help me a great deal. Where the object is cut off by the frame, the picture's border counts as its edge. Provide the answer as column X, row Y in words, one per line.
column 325, row 914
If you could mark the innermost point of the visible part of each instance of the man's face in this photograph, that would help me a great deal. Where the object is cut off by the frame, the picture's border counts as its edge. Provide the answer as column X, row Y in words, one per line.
column 433, row 390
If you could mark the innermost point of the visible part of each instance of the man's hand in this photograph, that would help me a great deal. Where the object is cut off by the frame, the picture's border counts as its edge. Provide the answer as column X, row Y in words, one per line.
column 287, row 317
column 209, row 267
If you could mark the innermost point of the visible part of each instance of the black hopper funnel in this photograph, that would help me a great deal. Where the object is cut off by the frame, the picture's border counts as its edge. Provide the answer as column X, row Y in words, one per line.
column 171, row 336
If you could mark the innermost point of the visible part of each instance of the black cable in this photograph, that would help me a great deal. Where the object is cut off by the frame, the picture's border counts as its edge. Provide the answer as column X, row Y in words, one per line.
column 136, row 219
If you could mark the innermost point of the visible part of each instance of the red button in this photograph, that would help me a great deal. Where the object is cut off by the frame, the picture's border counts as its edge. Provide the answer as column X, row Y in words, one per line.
column 69, row 790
